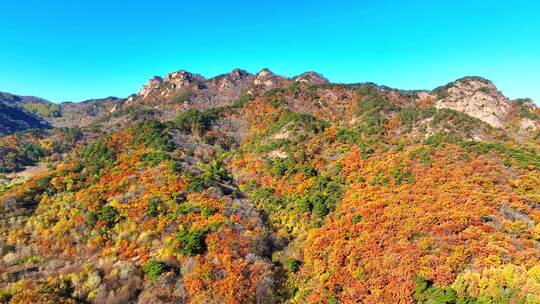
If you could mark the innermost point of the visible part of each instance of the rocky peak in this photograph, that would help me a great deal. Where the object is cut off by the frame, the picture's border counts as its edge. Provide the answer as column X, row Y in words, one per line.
column 266, row 78
column 172, row 82
column 234, row 76
column 232, row 80
column 265, row 72
column 183, row 78
column 238, row 74
column 475, row 96
column 152, row 84
column 312, row 78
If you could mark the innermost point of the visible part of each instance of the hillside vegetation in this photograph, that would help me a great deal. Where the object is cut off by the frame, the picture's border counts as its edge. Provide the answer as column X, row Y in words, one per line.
column 263, row 189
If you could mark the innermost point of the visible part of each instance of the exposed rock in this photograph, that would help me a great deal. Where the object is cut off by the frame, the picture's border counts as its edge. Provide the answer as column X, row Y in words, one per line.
column 182, row 79
column 283, row 134
column 238, row 74
column 311, row 78
column 515, row 215
column 278, row 154
column 86, row 112
column 11, row 258
column 266, row 78
column 476, row 97
column 151, row 85
column 180, row 90
column 226, row 83
column 131, row 98
column 528, row 114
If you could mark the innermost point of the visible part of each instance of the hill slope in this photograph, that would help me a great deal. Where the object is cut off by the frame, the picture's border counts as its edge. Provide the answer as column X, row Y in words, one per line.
column 14, row 118
column 256, row 188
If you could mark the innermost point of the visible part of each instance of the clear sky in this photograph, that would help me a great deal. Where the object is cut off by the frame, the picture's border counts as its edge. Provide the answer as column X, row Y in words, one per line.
column 80, row 49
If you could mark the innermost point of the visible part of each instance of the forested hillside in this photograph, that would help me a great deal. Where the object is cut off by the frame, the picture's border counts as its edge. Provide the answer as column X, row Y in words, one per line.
column 257, row 188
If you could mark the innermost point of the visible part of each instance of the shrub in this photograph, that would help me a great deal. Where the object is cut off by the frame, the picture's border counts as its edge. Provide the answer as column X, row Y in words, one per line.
column 241, row 101
column 379, row 178
column 154, row 158
column 373, row 107
column 319, row 206
column 208, row 211
column 153, row 269
column 426, row 292
column 303, row 204
column 153, row 206
column 72, row 135
column 193, row 243
column 400, row 175
column 292, row 265
column 266, row 199
column 48, row 110
column 457, row 120
column 409, row 116
column 198, row 183
column 442, row 95
column 425, row 158
column 484, row 90
column 281, row 167
column 32, row 152
column 107, row 214
column 184, row 96
column 195, row 121
column 524, row 110
column 320, row 199
column 277, row 101
column 185, row 209
column 95, row 157
column 215, row 170
column 298, row 120
column 212, row 173
column 153, row 134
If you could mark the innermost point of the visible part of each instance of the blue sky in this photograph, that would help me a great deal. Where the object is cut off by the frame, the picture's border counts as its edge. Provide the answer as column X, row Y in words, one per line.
column 76, row 50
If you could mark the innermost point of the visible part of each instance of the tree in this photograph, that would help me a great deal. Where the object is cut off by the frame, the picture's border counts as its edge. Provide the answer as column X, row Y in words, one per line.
column 193, row 243
column 153, row 269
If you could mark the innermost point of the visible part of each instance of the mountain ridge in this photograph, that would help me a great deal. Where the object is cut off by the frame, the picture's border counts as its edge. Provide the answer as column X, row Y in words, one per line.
column 472, row 95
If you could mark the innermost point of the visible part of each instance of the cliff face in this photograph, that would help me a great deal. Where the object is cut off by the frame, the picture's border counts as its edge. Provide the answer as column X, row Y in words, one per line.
column 475, row 97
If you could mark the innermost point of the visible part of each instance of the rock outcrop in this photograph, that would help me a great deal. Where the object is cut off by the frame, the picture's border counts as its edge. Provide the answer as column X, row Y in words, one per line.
column 476, row 97
column 182, row 79
column 237, row 78
column 311, row 78
column 268, row 79
column 151, row 85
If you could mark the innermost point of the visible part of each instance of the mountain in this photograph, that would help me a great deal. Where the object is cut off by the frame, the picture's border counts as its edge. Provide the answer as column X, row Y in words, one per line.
column 258, row 188
column 474, row 96
column 34, row 112
column 14, row 117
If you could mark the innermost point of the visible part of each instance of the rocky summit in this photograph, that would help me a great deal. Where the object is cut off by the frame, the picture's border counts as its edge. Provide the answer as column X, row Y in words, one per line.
column 261, row 188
